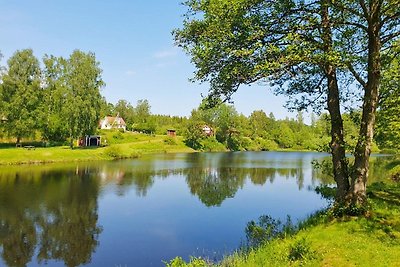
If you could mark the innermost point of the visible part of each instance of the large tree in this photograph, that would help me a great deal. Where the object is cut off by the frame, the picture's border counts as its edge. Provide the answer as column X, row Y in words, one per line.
column 299, row 47
column 142, row 111
column 142, row 120
column 368, row 28
column 73, row 94
column 125, row 111
column 21, row 94
column 84, row 82
column 52, row 117
column 1, row 93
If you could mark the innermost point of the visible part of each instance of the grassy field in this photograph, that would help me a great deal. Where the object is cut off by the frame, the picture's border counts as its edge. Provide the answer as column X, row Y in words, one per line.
column 373, row 240
column 119, row 145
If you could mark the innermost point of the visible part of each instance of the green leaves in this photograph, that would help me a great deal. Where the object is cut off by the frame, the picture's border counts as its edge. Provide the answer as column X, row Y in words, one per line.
column 62, row 100
column 73, row 94
column 388, row 121
column 241, row 42
column 21, row 94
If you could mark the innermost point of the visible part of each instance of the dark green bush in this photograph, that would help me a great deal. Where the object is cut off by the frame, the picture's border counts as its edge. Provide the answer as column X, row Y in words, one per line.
column 114, row 152
column 300, row 251
column 169, row 140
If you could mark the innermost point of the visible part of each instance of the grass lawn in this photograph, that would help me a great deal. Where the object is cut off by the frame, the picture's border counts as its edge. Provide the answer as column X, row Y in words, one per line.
column 373, row 240
column 120, row 145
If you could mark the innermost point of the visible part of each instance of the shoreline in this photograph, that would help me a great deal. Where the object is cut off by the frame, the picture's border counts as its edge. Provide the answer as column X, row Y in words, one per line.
column 119, row 149
column 128, row 150
column 64, row 154
column 74, row 155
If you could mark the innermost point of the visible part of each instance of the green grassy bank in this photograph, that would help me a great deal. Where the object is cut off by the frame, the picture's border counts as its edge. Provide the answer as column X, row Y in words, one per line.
column 323, row 240
column 119, row 145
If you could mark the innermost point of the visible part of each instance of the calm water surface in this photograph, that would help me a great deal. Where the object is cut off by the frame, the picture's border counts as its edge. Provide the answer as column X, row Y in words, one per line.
column 145, row 211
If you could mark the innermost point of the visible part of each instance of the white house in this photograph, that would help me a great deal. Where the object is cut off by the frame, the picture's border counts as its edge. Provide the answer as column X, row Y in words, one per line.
column 112, row 123
column 207, row 130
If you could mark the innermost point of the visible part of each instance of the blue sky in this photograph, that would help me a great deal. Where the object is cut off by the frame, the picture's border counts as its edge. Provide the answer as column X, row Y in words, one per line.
column 132, row 41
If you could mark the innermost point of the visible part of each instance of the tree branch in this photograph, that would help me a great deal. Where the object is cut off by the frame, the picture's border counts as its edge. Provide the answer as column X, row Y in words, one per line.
column 390, row 6
column 344, row 8
column 356, row 75
column 358, row 25
column 318, row 86
column 394, row 55
column 365, row 9
column 388, row 18
column 389, row 37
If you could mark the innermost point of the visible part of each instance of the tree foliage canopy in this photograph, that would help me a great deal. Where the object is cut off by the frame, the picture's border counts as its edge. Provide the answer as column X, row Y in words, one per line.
column 21, row 93
column 62, row 100
column 73, row 93
column 388, row 124
column 309, row 50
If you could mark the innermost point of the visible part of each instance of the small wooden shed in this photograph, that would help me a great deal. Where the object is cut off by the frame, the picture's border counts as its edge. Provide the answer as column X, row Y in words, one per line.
column 90, row 140
column 171, row 132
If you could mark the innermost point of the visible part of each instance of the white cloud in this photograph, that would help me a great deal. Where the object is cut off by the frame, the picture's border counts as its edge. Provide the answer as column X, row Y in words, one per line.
column 168, row 53
column 130, row 73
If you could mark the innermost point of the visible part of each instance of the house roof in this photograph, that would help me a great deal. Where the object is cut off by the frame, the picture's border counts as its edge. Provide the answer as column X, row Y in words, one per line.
column 112, row 120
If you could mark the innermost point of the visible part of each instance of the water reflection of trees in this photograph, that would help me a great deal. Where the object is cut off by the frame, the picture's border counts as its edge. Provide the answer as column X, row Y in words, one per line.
column 378, row 171
column 53, row 213
column 211, row 178
column 213, row 186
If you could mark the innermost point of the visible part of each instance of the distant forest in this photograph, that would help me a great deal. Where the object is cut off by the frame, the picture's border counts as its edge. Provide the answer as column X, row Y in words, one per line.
column 235, row 131
column 61, row 101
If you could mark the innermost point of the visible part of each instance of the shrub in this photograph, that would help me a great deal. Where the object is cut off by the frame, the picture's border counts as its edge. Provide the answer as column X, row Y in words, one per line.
column 194, row 262
column 348, row 209
column 114, row 152
column 389, row 151
column 118, row 135
column 170, row 141
column 326, row 192
column 135, row 154
column 267, row 229
column 262, row 144
column 268, row 145
column 300, row 251
column 395, row 174
column 211, row 144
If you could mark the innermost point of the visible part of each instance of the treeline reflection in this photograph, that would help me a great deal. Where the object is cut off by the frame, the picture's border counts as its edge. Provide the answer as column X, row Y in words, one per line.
column 211, row 181
column 51, row 212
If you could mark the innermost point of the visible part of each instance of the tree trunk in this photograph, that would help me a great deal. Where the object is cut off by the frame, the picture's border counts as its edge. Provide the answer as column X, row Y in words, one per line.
column 339, row 160
column 362, row 152
column 340, row 165
column 71, row 141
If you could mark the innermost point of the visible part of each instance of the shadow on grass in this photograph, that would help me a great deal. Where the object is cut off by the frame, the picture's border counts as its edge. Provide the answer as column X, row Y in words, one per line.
column 384, row 218
column 389, row 193
column 392, row 164
column 31, row 143
column 84, row 148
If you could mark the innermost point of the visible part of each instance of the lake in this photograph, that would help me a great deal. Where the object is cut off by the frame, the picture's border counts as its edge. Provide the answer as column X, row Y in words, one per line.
column 145, row 211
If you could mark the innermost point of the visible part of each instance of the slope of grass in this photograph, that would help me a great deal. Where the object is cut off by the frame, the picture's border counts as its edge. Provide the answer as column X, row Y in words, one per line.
column 126, row 145
column 373, row 240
